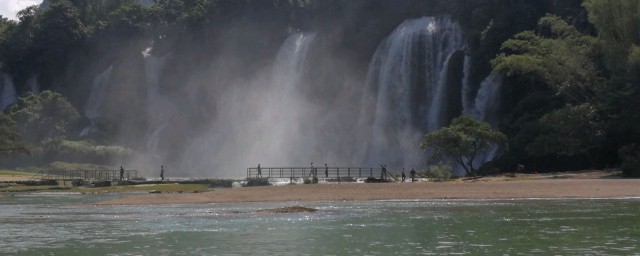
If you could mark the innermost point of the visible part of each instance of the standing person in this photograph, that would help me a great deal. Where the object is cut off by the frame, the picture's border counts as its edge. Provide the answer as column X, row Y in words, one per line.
column 326, row 171
column 162, row 172
column 121, row 173
column 312, row 172
column 386, row 173
column 259, row 171
column 383, row 173
column 403, row 175
column 413, row 175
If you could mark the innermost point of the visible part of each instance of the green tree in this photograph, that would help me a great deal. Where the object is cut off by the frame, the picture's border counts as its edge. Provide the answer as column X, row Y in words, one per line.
column 16, row 48
column 43, row 118
column 557, row 56
column 59, row 34
column 569, row 131
column 463, row 141
column 10, row 142
column 618, row 27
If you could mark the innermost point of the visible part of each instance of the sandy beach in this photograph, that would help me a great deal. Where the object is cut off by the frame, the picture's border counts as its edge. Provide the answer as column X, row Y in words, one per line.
column 588, row 185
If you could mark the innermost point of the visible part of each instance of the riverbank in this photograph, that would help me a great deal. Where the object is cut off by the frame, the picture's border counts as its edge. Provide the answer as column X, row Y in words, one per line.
column 565, row 185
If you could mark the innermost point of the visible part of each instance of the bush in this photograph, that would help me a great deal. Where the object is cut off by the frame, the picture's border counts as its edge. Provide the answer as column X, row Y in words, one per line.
column 38, row 183
column 209, row 182
column 439, row 172
column 252, row 182
column 375, row 180
column 630, row 156
column 100, row 184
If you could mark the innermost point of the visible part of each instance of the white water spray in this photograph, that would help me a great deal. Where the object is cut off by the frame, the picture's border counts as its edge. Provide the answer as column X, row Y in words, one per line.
column 94, row 107
column 8, row 94
column 409, row 71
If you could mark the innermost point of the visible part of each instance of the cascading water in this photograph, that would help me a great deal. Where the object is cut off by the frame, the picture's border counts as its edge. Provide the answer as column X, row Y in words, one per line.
column 262, row 121
column 467, row 100
column 94, row 105
column 159, row 108
column 409, row 73
column 485, row 108
column 285, row 106
column 488, row 99
column 8, row 95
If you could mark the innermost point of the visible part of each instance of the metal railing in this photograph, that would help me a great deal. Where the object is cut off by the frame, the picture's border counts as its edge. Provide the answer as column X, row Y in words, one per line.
column 319, row 172
column 96, row 175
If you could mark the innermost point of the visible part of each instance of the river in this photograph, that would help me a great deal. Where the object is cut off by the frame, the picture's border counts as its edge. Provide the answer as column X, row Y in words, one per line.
column 69, row 224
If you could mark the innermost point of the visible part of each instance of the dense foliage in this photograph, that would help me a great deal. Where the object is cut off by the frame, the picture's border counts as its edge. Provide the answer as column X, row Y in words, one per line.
column 571, row 98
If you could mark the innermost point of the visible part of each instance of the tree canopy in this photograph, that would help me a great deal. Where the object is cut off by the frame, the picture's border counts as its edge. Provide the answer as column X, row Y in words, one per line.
column 463, row 141
column 43, row 117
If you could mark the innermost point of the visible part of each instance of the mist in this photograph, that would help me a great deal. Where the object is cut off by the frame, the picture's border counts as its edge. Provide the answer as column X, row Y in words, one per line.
column 279, row 97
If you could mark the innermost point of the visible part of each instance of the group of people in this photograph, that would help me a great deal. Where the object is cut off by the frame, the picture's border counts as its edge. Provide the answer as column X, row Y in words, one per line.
column 412, row 173
column 384, row 173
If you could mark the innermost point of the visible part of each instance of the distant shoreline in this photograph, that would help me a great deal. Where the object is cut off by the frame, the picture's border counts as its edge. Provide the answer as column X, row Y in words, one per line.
column 502, row 187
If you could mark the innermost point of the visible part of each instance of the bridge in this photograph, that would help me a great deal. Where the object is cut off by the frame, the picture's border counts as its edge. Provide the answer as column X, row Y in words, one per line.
column 92, row 175
column 337, row 173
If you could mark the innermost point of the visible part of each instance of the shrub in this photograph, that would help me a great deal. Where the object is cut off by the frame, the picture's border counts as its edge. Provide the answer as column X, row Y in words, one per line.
column 209, row 182
column 38, row 183
column 252, row 182
column 440, row 172
column 630, row 156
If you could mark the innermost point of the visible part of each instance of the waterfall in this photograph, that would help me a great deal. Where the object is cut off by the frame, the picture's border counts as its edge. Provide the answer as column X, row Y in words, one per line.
column 409, row 74
column 159, row 108
column 263, row 120
column 485, row 109
column 487, row 100
column 93, row 107
column 467, row 101
column 8, row 94
column 285, row 104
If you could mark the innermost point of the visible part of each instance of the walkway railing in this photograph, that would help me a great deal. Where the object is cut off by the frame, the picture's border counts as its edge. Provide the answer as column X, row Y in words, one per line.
column 320, row 172
column 96, row 175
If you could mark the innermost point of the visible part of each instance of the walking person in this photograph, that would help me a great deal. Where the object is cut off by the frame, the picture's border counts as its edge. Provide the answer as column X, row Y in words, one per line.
column 259, row 171
column 162, row 173
column 121, row 173
column 413, row 175
column 312, row 171
column 403, row 175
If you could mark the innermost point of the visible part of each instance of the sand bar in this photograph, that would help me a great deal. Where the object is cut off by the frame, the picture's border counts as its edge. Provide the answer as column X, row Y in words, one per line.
column 470, row 189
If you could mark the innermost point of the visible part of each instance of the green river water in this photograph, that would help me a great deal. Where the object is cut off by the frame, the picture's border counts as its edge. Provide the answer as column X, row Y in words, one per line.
column 67, row 224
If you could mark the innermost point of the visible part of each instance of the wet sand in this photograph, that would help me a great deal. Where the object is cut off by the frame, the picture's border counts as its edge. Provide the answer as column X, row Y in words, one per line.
column 563, row 186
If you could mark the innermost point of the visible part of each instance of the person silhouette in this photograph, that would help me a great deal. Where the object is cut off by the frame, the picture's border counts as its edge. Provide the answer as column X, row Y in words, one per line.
column 312, row 172
column 162, row 172
column 121, row 173
column 259, row 171
column 326, row 171
column 403, row 175
column 413, row 175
